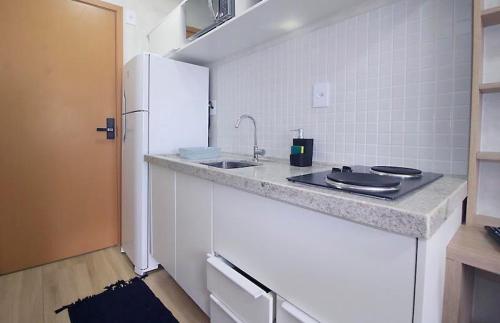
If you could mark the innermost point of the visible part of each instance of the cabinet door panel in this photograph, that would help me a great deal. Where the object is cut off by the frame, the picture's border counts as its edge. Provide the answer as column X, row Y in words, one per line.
column 219, row 313
column 241, row 296
column 287, row 313
column 333, row 269
column 193, row 236
column 162, row 182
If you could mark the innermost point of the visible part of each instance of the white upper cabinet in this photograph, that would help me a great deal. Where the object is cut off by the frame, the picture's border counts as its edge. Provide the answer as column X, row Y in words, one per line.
column 264, row 21
column 255, row 23
column 170, row 34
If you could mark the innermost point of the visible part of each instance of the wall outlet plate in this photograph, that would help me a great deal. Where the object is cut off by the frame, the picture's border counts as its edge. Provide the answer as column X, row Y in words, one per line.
column 321, row 95
column 130, row 17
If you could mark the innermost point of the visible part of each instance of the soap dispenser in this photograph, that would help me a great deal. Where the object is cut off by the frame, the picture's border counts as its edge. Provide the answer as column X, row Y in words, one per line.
column 301, row 153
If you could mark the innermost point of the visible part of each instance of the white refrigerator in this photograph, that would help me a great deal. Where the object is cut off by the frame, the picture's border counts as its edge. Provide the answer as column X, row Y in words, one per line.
column 165, row 107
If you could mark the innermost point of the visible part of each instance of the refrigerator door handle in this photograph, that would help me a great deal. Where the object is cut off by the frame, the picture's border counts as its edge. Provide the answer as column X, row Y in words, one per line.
column 125, row 117
column 124, row 128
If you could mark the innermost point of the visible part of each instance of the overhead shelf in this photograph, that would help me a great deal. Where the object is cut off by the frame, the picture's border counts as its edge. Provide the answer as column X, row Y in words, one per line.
column 489, row 87
column 265, row 21
column 491, row 17
column 487, row 155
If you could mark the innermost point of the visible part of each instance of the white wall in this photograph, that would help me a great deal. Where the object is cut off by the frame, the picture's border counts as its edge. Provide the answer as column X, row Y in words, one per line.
column 491, row 3
column 491, row 54
column 149, row 14
column 400, row 89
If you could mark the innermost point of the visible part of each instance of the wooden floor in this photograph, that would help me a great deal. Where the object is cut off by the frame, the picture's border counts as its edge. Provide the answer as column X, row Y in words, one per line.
column 32, row 295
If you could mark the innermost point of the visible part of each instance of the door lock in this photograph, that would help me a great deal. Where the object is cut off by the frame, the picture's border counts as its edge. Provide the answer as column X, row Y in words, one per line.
column 110, row 128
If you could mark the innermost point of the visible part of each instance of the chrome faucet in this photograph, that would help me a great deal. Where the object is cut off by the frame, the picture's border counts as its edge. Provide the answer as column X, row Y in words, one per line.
column 256, row 150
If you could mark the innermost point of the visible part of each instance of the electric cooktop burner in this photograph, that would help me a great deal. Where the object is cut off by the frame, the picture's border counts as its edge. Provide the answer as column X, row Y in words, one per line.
column 386, row 182
column 396, row 171
column 361, row 182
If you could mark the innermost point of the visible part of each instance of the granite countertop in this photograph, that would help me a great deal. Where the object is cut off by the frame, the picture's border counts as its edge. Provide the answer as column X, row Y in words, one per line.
column 418, row 214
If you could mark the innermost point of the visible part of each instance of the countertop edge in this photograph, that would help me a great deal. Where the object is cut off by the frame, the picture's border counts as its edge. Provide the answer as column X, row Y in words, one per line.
column 412, row 224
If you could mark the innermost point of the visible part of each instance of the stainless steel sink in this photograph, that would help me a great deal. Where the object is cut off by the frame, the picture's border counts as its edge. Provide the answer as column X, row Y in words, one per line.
column 231, row 164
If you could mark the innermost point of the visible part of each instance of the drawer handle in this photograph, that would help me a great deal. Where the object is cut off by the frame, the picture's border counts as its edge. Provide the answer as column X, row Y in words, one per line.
column 236, row 278
column 298, row 314
column 225, row 309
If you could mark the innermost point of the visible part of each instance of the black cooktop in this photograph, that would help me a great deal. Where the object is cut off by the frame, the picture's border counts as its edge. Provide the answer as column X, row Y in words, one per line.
column 370, row 181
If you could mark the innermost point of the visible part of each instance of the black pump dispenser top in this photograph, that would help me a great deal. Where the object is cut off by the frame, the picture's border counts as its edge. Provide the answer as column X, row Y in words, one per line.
column 304, row 159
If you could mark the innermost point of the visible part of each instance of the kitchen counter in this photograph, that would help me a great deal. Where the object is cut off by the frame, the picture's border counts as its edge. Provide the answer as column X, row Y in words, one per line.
column 418, row 214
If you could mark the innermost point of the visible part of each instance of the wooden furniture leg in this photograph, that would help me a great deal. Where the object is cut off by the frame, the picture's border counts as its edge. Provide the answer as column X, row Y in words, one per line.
column 458, row 292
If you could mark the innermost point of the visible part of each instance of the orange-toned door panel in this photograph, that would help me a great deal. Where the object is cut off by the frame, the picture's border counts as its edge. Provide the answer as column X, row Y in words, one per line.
column 59, row 77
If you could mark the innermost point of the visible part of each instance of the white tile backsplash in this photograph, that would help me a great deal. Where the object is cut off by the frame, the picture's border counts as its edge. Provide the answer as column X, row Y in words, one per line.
column 399, row 89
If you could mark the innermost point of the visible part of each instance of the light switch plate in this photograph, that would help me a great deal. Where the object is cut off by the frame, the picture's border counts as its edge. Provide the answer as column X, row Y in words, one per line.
column 321, row 95
column 130, row 17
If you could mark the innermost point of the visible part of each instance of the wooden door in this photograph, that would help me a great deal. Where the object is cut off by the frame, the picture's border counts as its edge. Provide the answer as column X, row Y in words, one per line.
column 60, row 78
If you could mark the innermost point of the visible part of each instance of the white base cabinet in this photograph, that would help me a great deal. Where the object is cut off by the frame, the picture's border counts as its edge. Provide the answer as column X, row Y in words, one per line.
column 162, row 208
column 181, row 216
column 193, row 236
column 315, row 267
column 219, row 313
column 336, row 270
column 288, row 313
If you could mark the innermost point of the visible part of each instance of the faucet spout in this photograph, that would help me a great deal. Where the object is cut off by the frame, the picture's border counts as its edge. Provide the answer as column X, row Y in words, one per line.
column 247, row 116
column 256, row 151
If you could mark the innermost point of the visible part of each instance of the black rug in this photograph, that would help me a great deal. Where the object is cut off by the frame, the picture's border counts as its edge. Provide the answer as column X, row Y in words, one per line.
column 122, row 302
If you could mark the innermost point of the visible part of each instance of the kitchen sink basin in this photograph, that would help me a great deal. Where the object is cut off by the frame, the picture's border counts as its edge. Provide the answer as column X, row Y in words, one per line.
column 231, row 164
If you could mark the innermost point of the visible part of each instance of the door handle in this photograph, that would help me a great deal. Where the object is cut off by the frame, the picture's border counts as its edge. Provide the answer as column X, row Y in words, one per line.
column 110, row 128
column 236, row 278
column 296, row 313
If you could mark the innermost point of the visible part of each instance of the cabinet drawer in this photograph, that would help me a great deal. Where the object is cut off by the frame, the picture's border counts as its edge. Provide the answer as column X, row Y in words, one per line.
column 242, row 297
column 287, row 313
column 219, row 313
